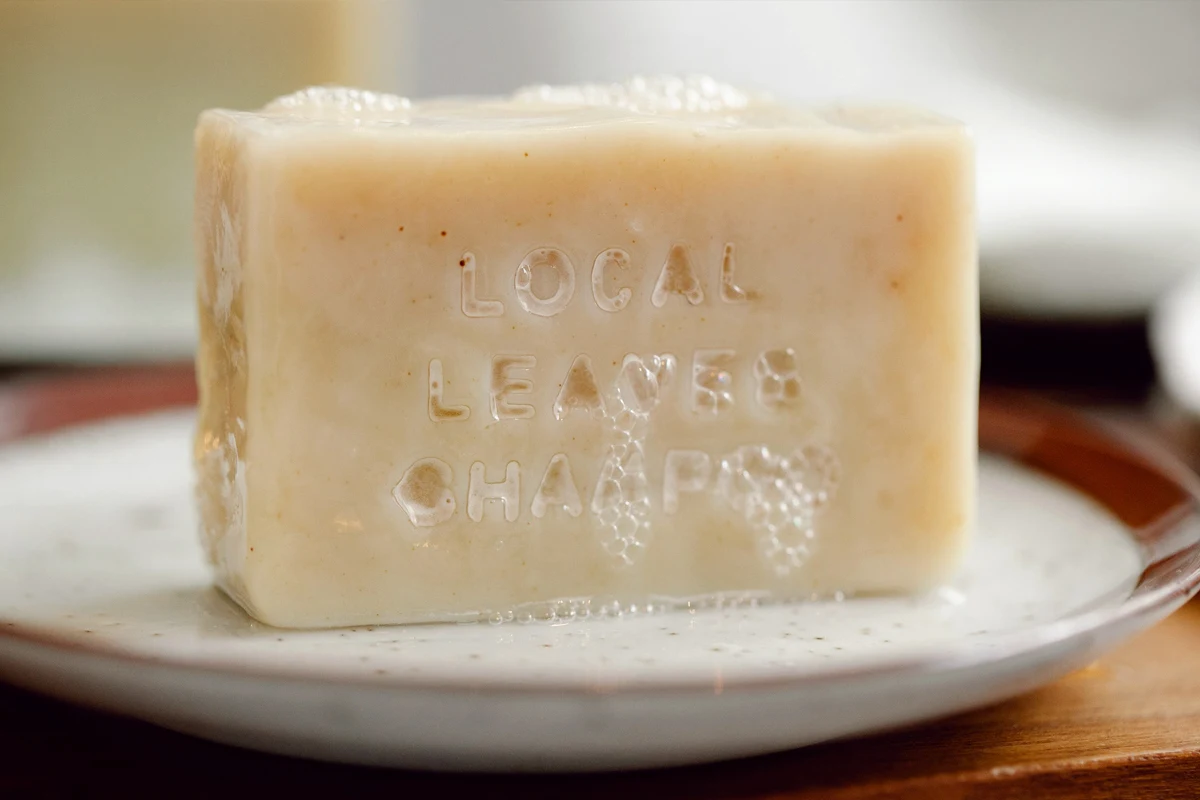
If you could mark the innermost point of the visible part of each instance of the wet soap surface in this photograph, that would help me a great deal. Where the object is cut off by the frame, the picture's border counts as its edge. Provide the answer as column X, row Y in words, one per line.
column 650, row 341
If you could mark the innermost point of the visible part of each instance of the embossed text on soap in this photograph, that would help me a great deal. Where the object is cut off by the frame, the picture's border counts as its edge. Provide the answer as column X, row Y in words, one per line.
column 779, row 489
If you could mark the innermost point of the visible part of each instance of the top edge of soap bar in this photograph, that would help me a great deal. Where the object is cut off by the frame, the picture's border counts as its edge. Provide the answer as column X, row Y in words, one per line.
column 698, row 102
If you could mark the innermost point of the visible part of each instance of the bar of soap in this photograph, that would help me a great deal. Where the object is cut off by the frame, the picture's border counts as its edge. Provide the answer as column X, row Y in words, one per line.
column 584, row 350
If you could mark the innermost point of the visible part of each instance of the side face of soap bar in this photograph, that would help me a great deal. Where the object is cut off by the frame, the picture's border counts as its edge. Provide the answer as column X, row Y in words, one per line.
column 453, row 368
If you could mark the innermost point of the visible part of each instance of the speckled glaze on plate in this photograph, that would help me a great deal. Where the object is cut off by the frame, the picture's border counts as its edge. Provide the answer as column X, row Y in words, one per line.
column 104, row 599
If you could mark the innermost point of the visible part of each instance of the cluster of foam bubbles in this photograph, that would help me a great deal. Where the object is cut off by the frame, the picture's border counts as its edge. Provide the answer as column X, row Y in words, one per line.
column 780, row 496
column 581, row 608
column 338, row 101
column 621, row 502
column 694, row 93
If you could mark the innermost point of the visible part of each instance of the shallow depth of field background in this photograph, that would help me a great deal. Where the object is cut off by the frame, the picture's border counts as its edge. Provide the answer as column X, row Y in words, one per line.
column 1087, row 117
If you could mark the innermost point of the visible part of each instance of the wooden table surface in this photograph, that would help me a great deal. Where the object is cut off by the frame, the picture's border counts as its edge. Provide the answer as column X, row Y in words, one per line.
column 1127, row 726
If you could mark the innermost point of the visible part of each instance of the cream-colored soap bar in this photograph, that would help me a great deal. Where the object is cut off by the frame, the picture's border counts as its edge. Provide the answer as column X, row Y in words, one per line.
column 579, row 349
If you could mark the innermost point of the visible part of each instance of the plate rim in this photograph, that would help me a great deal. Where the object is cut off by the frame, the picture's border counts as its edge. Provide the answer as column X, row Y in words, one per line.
column 1036, row 433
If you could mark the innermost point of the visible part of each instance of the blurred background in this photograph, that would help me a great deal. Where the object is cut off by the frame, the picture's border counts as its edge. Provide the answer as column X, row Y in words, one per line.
column 1086, row 114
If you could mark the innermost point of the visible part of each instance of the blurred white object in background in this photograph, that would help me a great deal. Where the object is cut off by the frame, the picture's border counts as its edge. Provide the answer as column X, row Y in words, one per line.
column 1175, row 342
column 1079, row 215
column 1087, row 116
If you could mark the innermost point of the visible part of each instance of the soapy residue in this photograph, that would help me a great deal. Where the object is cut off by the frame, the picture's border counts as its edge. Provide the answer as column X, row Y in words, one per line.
column 621, row 502
column 336, row 101
column 223, row 528
column 780, row 496
column 646, row 94
column 698, row 101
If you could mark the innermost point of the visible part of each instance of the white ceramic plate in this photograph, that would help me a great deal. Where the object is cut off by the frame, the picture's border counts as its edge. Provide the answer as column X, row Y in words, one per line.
column 104, row 600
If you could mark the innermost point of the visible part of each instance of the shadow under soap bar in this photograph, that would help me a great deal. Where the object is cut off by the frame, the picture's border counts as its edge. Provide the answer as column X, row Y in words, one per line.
column 583, row 349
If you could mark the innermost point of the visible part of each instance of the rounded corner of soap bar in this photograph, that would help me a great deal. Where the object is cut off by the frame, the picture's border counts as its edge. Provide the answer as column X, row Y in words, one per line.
column 277, row 614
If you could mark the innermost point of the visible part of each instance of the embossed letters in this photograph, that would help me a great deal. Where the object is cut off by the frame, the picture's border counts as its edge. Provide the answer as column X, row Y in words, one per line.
column 686, row 471
column 507, row 491
column 503, row 386
column 557, row 264
column 615, row 257
column 557, row 490
column 472, row 306
column 579, row 390
column 438, row 412
column 544, row 282
column 677, row 277
column 712, row 384
column 425, row 492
